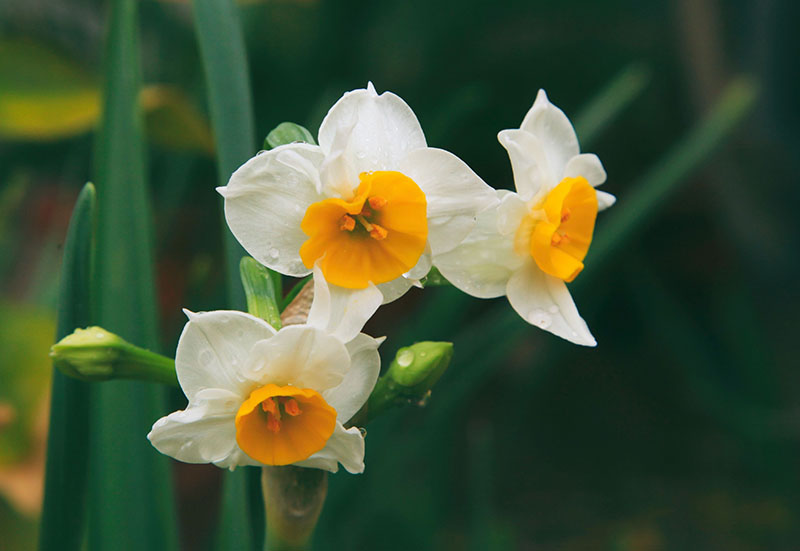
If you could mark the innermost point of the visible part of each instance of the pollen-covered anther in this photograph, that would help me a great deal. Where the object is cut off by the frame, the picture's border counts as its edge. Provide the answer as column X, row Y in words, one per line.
column 273, row 425
column 377, row 202
column 290, row 406
column 347, row 223
column 377, row 232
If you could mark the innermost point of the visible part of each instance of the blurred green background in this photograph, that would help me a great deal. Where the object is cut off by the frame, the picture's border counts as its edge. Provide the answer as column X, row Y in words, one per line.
column 679, row 431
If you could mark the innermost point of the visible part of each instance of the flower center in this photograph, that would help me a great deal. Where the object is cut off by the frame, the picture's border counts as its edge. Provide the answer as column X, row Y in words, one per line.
column 376, row 237
column 562, row 230
column 280, row 425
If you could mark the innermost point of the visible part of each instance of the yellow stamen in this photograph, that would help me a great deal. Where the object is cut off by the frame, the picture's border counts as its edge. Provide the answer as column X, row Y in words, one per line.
column 347, row 223
column 389, row 233
column 273, row 425
column 290, row 406
column 364, row 222
column 376, row 202
column 377, row 232
column 264, row 436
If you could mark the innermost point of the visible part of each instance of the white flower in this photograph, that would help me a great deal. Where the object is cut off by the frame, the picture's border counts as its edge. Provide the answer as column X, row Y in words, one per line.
column 371, row 203
column 263, row 397
column 535, row 240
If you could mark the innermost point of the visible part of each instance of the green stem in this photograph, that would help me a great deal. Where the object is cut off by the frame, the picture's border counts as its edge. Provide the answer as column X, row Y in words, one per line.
column 293, row 498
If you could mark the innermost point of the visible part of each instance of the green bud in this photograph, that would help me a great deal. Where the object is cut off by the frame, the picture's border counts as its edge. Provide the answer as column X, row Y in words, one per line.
column 262, row 289
column 94, row 354
column 416, row 368
column 409, row 379
column 288, row 132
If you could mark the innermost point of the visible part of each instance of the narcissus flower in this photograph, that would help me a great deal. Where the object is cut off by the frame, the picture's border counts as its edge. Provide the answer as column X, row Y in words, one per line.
column 534, row 242
column 370, row 204
column 263, row 397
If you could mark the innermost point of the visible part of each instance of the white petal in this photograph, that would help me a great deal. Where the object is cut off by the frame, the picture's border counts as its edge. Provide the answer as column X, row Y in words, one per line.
column 510, row 212
column 549, row 123
column 531, row 168
column 348, row 397
column 455, row 195
column 392, row 290
column 345, row 447
column 385, row 129
column 266, row 199
column 338, row 175
column 588, row 166
column 422, row 267
column 214, row 347
column 200, row 434
column 301, row 356
column 482, row 264
column 604, row 200
column 341, row 312
column 544, row 301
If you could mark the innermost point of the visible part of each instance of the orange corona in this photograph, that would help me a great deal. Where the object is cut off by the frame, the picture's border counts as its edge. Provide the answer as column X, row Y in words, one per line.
column 561, row 228
column 377, row 236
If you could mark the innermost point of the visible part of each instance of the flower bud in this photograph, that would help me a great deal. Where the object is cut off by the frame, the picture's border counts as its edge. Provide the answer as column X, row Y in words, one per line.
column 416, row 368
column 409, row 379
column 94, row 354
column 287, row 132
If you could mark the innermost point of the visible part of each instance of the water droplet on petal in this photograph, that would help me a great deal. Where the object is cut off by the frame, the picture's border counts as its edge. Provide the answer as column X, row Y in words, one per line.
column 205, row 358
column 405, row 358
column 540, row 318
column 361, row 154
column 273, row 253
column 553, row 309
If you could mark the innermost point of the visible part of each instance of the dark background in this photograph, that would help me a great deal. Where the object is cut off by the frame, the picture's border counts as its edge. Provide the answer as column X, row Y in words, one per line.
column 679, row 431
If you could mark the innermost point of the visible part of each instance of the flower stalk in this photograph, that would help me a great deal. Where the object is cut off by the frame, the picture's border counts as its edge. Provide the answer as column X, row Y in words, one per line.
column 293, row 499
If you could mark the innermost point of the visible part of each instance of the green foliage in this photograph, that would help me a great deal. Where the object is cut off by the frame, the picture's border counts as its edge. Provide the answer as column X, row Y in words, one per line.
column 259, row 289
column 130, row 483
column 64, row 511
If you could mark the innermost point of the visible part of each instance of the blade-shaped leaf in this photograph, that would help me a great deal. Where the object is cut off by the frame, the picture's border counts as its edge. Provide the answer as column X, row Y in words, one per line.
column 64, row 510
column 130, row 489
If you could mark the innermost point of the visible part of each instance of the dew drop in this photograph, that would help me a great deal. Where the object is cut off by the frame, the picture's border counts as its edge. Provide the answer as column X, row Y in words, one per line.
column 361, row 154
column 273, row 253
column 206, row 358
column 99, row 335
column 553, row 309
column 540, row 318
column 405, row 358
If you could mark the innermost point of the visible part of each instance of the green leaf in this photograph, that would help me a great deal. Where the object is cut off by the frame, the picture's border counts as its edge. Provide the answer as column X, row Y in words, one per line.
column 129, row 484
column 607, row 105
column 224, row 59
column 173, row 122
column 230, row 102
column 259, row 289
column 636, row 207
column 287, row 132
column 64, row 511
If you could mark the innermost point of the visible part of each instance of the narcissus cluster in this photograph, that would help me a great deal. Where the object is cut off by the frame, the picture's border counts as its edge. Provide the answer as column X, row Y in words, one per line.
column 369, row 211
